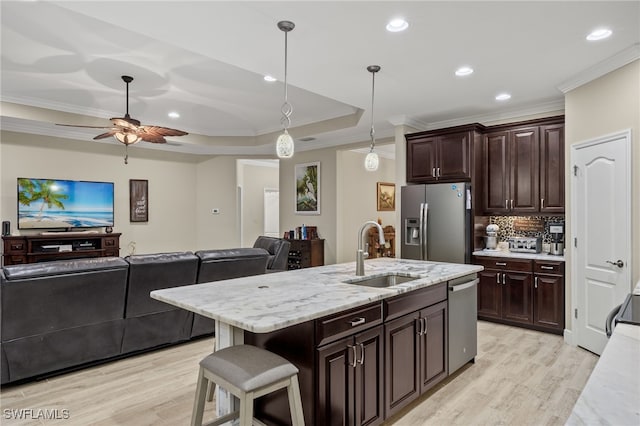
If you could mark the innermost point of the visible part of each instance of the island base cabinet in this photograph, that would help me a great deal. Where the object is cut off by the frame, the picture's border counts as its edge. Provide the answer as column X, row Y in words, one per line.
column 416, row 355
column 350, row 380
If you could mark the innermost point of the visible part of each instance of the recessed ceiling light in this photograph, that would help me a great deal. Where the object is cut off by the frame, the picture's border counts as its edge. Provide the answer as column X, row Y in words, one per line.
column 270, row 78
column 397, row 25
column 599, row 34
column 503, row 97
column 174, row 114
column 464, row 71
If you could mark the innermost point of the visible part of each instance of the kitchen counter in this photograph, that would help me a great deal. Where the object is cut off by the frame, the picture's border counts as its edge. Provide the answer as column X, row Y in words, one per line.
column 612, row 394
column 518, row 255
column 269, row 302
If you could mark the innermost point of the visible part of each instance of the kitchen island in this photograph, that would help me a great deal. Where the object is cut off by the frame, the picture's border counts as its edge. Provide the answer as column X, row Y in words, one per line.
column 310, row 312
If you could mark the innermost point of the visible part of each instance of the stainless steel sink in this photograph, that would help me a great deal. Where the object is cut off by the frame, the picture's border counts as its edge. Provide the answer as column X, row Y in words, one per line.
column 387, row 280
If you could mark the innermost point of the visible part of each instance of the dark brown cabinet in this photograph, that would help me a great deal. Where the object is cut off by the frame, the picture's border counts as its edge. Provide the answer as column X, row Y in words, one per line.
column 305, row 253
column 523, row 168
column 444, row 155
column 350, row 380
column 43, row 248
column 510, row 171
column 504, row 290
column 522, row 292
column 552, row 168
column 548, row 294
column 415, row 346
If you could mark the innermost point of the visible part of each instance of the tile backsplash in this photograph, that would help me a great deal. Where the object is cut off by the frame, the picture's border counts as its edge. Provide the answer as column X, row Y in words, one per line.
column 506, row 224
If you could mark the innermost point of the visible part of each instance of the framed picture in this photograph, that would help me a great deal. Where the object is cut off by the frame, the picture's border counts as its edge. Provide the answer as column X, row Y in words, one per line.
column 307, row 178
column 138, row 200
column 386, row 196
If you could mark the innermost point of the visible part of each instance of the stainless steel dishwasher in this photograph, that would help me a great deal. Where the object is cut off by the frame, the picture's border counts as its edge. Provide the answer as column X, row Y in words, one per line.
column 463, row 321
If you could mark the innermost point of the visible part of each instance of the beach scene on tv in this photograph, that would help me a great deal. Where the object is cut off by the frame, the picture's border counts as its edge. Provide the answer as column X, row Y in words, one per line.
column 54, row 204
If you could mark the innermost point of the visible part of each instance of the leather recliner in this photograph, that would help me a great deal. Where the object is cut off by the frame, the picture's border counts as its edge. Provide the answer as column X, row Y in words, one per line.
column 278, row 249
column 60, row 314
column 149, row 322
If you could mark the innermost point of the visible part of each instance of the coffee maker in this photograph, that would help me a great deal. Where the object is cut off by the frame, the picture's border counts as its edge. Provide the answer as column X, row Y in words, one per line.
column 557, row 238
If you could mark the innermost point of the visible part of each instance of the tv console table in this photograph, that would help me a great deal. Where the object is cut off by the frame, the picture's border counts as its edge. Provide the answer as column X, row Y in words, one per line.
column 58, row 246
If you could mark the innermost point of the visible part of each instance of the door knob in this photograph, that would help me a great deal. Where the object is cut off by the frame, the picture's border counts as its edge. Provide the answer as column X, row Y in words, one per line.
column 619, row 263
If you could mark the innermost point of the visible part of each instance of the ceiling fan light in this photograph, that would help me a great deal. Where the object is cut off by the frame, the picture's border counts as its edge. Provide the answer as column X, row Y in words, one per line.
column 127, row 138
column 284, row 145
column 371, row 161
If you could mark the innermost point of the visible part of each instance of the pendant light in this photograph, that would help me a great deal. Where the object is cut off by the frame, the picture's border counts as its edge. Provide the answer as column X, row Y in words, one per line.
column 284, row 144
column 371, row 161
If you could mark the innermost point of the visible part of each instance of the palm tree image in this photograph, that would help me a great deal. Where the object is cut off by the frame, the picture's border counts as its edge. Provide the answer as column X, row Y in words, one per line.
column 32, row 191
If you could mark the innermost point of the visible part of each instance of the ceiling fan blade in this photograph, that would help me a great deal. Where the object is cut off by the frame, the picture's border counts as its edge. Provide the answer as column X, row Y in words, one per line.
column 88, row 127
column 128, row 122
column 151, row 137
column 163, row 131
column 106, row 135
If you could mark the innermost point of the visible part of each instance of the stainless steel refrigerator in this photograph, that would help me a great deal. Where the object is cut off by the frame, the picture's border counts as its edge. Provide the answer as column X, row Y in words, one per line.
column 437, row 222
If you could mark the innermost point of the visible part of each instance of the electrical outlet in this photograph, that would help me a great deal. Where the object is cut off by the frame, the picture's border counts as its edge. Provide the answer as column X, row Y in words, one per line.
column 215, row 211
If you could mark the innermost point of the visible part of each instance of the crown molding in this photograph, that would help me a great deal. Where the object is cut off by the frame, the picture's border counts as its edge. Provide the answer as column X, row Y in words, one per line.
column 618, row 60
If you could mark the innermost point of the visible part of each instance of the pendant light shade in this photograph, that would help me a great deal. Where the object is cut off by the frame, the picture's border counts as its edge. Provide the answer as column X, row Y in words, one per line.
column 372, row 161
column 284, row 144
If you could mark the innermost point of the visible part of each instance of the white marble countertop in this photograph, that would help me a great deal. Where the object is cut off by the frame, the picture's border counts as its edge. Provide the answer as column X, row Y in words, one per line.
column 612, row 394
column 268, row 302
column 517, row 255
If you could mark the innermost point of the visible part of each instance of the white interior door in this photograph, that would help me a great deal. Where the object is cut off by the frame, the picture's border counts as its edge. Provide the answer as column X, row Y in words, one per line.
column 601, row 218
column 271, row 212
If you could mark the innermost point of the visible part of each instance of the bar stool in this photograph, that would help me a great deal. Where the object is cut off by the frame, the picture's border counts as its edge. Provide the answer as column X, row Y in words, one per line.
column 247, row 372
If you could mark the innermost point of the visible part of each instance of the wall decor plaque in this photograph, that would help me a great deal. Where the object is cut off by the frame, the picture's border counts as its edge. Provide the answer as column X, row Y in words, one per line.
column 529, row 224
column 138, row 200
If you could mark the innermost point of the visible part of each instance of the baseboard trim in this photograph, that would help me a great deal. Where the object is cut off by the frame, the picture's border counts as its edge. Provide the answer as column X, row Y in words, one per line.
column 568, row 337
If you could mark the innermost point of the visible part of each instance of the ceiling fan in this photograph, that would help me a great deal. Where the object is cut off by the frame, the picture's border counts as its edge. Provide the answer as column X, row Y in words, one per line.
column 128, row 130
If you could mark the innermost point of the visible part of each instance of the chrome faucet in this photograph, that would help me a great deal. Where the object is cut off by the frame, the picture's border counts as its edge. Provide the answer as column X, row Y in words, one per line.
column 360, row 254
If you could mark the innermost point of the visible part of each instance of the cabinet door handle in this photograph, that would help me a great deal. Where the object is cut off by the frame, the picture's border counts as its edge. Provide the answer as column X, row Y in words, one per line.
column 546, row 267
column 504, row 279
column 511, row 204
column 438, row 173
column 501, row 264
column 498, row 278
column 425, row 325
column 433, row 172
column 506, row 204
column 355, row 355
column 421, row 329
column 542, row 203
column 361, row 353
column 536, row 283
column 357, row 321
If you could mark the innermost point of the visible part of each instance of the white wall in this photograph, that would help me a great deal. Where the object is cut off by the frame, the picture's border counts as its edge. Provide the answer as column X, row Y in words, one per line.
column 172, row 186
column 356, row 200
column 608, row 104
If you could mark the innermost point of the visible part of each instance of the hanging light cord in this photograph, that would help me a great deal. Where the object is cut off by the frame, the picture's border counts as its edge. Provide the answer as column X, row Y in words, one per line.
column 372, row 133
column 286, row 109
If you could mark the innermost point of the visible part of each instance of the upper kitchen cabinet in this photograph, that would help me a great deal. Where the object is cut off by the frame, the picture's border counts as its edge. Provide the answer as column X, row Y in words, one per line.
column 444, row 155
column 523, row 168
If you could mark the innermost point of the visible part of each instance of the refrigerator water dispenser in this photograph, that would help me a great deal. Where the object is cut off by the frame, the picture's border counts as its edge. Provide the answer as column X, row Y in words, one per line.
column 412, row 232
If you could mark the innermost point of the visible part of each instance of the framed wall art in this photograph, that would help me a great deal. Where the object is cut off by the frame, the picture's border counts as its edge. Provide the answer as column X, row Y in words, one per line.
column 307, row 180
column 386, row 196
column 138, row 200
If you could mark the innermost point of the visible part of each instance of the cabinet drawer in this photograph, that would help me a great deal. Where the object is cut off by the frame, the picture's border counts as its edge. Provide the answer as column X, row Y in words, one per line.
column 504, row 264
column 548, row 267
column 16, row 247
column 415, row 300
column 347, row 323
column 110, row 242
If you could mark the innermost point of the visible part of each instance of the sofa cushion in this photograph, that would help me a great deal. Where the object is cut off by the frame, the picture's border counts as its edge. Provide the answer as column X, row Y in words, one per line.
column 59, row 267
column 224, row 264
column 148, row 272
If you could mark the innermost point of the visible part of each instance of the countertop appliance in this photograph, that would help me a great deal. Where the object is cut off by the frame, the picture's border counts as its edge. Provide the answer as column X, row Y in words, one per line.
column 525, row 244
column 557, row 238
column 463, row 321
column 436, row 222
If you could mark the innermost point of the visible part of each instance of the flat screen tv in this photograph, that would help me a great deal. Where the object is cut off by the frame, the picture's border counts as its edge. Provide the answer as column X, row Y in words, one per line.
column 64, row 204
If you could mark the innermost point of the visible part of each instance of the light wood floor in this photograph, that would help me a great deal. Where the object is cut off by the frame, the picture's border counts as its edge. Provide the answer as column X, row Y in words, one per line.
column 520, row 377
